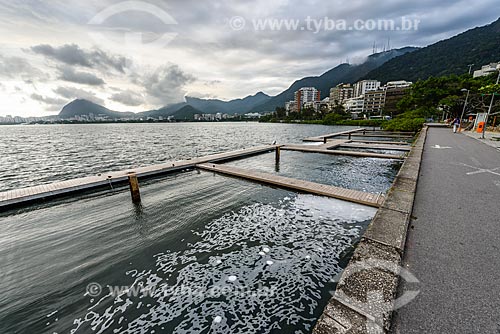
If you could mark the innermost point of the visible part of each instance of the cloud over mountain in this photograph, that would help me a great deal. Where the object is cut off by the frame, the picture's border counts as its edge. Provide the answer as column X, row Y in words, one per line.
column 72, row 54
column 167, row 83
column 85, row 78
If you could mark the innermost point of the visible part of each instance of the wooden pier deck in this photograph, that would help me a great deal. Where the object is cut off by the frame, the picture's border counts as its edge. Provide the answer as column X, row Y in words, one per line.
column 360, row 197
column 381, row 135
column 57, row 189
column 377, row 146
column 313, row 149
column 367, row 141
column 329, row 144
column 332, row 135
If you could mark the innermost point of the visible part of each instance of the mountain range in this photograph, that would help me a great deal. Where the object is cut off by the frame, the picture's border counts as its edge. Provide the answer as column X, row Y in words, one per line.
column 259, row 102
column 477, row 46
column 342, row 73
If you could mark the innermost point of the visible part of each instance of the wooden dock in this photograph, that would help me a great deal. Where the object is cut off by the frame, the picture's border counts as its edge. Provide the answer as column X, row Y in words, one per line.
column 332, row 135
column 377, row 146
column 381, row 135
column 367, row 141
column 313, row 149
column 329, row 144
column 360, row 197
column 46, row 191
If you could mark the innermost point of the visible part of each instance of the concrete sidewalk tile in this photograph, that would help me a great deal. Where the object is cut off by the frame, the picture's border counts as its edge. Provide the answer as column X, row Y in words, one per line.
column 338, row 318
column 389, row 227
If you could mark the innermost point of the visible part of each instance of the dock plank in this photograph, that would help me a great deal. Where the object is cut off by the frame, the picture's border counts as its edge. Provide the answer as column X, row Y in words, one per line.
column 349, row 195
column 367, row 141
column 377, row 146
column 332, row 135
column 312, row 149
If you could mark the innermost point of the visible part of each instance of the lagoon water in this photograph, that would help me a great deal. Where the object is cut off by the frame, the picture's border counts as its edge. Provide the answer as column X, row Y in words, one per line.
column 203, row 253
column 39, row 154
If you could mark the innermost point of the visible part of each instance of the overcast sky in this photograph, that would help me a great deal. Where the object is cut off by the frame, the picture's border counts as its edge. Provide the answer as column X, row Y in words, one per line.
column 135, row 55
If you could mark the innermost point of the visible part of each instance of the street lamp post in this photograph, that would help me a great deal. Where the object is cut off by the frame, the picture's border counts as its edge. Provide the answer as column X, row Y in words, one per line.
column 463, row 111
column 491, row 106
column 470, row 67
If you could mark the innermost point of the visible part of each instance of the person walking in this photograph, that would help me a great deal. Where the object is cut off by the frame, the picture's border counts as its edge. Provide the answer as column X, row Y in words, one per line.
column 456, row 124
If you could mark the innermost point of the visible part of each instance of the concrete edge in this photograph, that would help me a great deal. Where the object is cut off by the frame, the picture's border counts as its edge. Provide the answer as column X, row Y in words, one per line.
column 366, row 291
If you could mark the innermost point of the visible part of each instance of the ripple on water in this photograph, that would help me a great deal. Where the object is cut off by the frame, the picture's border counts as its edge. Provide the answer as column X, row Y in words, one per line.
column 256, row 270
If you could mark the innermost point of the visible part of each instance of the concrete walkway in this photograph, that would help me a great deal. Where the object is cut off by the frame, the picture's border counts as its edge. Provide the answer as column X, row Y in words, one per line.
column 489, row 138
column 453, row 244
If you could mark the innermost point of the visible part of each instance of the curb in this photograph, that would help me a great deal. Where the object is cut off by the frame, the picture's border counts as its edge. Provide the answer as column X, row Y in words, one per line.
column 366, row 292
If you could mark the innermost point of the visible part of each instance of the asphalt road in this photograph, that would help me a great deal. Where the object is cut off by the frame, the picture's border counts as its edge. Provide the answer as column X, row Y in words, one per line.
column 453, row 244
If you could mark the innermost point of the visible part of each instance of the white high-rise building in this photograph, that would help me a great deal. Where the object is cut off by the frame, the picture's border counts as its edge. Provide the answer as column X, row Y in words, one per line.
column 361, row 87
column 306, row 95
column 354, row 106
column 487, row 70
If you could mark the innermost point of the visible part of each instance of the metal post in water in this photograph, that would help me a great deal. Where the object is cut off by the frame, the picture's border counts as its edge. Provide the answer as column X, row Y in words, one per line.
column 134, row 188
column 278, row 153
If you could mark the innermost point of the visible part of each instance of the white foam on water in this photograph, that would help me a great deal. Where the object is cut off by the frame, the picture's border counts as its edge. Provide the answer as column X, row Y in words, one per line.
column 256, row 292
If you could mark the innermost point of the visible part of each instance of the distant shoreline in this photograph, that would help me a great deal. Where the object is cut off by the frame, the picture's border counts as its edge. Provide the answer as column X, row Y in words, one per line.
column 131, row 122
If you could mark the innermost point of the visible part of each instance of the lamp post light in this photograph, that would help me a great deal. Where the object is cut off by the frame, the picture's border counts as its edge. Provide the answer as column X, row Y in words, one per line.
column 465, row 106
column 491, row 106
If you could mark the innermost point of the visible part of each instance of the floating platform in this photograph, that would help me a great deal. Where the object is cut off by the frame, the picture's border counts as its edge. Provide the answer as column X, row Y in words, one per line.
column 313, row 149
column 377, row 147
column 367, row 141
column 360, row 197
column 381, row 135
column 332, row 135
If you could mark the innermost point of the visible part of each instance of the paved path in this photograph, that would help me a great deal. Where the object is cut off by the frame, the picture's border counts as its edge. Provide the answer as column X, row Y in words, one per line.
column 489, row 138
column 453, row 246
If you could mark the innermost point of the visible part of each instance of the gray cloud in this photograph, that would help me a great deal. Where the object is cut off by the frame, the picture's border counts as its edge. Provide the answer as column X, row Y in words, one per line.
column 166, row 84
column 72, row 54
column 77, row 93
column 85, row 78
column 19, row 68
column 128, row 98
column 51, row 103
